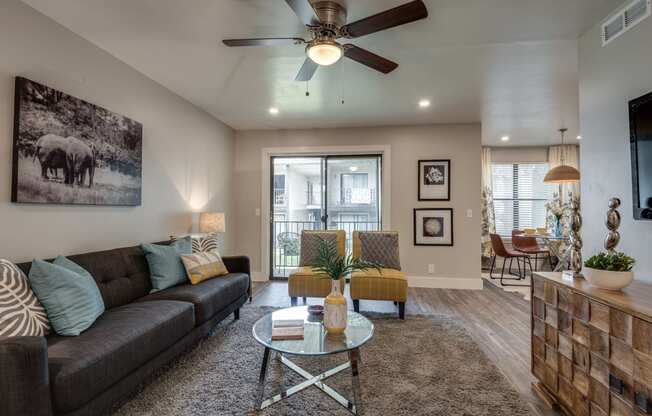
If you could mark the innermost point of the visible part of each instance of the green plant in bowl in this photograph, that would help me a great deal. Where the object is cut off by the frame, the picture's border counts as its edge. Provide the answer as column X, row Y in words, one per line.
column 611, row 271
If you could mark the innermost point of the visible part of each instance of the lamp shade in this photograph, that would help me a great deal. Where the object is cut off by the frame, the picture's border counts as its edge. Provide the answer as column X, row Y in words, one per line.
column 211, row 222
column 562, row 174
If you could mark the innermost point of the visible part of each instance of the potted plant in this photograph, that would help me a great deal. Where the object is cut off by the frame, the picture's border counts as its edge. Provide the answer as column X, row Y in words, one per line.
column 609, row 270
column 329, row 264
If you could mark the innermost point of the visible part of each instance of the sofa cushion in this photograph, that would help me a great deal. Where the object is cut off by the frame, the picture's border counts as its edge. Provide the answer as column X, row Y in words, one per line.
column 118, row 343
column 209, row 297
column 68, row 293
column 21, row 313
column 165, row 263
column 122, row 274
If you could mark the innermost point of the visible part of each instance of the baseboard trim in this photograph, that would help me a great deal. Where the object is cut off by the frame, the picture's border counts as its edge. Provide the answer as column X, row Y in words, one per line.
column 435, row 282
column 259, row 277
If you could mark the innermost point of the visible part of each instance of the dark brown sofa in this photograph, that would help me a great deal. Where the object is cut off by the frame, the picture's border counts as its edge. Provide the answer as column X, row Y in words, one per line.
column 138, row 333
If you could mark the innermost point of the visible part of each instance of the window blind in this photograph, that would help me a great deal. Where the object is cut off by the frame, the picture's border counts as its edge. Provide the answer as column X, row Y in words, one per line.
column 520, row 196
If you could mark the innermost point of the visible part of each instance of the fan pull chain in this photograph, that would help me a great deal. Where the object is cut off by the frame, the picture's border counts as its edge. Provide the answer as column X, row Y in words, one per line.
column 307, row 88
column 342, row 82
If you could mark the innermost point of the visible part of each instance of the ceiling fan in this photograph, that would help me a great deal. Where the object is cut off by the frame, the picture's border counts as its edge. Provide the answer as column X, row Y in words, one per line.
column 326, row 22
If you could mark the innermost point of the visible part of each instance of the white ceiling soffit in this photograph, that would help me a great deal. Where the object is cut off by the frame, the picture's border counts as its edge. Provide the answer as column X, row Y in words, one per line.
column 510, row 64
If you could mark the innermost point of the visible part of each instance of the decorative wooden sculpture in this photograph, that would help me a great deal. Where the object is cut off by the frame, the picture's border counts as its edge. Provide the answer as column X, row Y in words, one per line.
column 575, row 257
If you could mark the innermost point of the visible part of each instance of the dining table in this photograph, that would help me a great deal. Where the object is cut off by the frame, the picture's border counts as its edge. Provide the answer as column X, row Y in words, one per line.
column 559, row 248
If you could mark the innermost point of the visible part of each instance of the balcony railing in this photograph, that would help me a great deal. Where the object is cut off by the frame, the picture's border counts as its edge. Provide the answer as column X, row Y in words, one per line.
column 352, row 196
column 286, row 242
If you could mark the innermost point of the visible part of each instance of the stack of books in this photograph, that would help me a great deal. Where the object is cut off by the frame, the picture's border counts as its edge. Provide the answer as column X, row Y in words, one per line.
column 287, row 329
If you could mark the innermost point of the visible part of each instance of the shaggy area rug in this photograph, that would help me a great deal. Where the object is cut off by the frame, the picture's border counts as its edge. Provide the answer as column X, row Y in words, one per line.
column 425, row 365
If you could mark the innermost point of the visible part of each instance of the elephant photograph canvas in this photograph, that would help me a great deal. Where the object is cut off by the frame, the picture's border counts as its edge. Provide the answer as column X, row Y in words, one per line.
column 69, row 151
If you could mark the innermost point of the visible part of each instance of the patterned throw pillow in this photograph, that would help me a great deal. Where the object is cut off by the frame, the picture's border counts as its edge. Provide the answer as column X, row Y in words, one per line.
column 203, row 266
column 201, row 244
column 310, row 246
column 21, row 314
column 380, row 248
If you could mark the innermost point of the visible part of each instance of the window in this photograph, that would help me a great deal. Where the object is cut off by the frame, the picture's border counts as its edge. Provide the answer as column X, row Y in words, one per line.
column 355, row 188
column 520, row 196
column 279, row 189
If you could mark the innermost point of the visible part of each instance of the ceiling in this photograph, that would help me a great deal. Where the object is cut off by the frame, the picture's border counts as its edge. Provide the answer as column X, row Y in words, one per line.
column 510, row 64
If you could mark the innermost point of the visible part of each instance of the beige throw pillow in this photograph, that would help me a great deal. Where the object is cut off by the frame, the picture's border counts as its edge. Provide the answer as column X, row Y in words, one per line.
column 21, row 313
column 203, row 266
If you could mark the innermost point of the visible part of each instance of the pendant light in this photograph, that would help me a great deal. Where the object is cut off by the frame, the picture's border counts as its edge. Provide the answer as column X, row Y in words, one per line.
column 562, row 173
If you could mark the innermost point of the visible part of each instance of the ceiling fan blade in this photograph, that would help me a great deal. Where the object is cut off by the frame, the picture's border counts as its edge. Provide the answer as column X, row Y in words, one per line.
column 407, row 13
column 307, row 70
column 263, row 42
column 369, row 59
column 304, row 10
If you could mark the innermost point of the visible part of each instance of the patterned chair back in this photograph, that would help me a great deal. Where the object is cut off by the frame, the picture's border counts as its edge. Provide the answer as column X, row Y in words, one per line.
column 357, row 242
column 341, row 238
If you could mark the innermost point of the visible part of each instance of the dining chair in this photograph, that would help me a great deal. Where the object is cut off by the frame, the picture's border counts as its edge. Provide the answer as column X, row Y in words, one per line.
column 501, row 251
column 530, row 246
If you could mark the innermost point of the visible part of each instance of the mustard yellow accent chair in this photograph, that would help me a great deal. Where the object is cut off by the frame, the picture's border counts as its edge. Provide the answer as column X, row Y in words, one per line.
column 389, row 284
column 305, row 282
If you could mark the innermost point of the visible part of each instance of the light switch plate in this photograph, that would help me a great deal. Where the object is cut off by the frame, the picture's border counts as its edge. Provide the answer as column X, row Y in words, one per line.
column 469, row 213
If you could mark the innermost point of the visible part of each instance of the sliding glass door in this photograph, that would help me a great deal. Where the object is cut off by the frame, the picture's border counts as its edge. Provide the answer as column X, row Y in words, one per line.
column 316, row 193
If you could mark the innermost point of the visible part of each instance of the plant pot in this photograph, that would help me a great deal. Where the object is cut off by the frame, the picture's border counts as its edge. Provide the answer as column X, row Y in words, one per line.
column 605, row 279
column 335, row 310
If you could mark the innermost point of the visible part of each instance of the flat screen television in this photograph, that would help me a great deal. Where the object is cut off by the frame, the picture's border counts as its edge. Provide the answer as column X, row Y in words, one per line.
column 640, row 139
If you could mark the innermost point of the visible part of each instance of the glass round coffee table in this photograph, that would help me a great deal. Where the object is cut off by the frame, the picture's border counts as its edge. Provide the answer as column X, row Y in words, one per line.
column 317, row 343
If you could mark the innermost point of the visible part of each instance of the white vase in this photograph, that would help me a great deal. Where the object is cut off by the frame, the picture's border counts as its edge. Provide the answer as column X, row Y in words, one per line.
column 335, row 310
column 605, row 279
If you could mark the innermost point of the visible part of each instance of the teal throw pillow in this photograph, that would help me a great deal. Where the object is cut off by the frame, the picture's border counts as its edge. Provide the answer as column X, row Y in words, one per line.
column 165, row 266
column 68, row 293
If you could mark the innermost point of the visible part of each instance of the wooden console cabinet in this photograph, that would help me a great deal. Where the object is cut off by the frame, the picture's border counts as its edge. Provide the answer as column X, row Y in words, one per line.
column 592, row 348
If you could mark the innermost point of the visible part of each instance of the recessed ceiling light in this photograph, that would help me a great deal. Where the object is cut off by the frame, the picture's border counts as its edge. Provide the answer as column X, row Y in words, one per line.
column 579, row 137
column 424, row 103
column 273, row 111
column 353, row 168
column 504, row 139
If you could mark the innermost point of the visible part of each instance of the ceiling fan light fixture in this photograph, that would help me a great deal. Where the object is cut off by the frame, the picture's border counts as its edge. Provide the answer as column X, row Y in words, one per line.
column 324, row 52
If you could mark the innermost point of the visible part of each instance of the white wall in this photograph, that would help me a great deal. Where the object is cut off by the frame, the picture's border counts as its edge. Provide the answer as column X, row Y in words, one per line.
column 609, row 78
column 460, row 143
column 187, row 154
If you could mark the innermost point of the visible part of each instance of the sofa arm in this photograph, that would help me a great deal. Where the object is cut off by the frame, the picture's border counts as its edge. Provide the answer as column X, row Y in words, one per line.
column 239, row 264
column 24, row 378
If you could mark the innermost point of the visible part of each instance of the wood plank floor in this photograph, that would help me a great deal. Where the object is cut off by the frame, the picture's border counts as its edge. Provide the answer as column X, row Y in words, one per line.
column 498, row 321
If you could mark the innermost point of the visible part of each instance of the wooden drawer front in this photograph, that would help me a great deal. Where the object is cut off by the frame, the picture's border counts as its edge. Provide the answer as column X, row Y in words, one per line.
column 597, row 411
column 551, row 357
column 580, row 332
column 550, row 379
column 599, row 342
column 566, row 392
column 642, row 336
column 565, row 367
column 580, row 307
column 551, row 316
column 538, row 308
column 565, row 346
column 599, row 316
column 620, row 325
column 581, row 356
column 550, row 293
column 551, row 336
column 599, row 370
column 580, row 404
column 565, row 324
column 538, row 347
column 599, row 394
column 643, row 368
column 618, row 407
column 539, row 328
column 625, row 390
column 537, row 287
column 622, row 356
column 642, row 399
column 539, row 368
column 564, row 300
column 581, row 381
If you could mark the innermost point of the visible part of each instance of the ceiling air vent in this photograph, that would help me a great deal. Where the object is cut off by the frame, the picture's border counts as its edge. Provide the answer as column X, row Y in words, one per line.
column 625, row 19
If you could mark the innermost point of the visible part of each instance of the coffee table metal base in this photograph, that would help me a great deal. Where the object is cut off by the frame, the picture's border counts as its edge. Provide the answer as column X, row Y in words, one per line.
column 313, row 380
